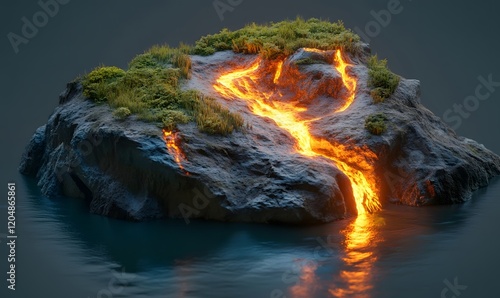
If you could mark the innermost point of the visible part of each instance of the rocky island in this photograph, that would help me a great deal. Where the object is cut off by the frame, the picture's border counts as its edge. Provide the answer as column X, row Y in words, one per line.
column 293, row 122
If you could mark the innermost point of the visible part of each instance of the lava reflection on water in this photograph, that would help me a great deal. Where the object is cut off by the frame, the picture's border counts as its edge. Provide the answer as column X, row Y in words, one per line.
column 361, row 239
column 357, row 271
column 247, row 83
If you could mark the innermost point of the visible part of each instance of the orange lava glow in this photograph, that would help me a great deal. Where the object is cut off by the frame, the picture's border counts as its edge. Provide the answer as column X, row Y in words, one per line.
column 173, row 148
column 349, row 81
column 361, row 238
column 249, row 84
column 356, row 276
column 278, row 72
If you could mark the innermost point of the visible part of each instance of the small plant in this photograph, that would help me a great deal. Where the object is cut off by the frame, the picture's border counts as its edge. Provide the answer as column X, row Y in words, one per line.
column 164, row 56
column 379, row 94
column 213, row 118
column 122, row 113
column 376, row 123
column 96, row 82
column 381, row 79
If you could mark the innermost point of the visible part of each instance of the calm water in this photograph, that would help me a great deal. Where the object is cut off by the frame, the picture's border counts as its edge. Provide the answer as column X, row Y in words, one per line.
column 399, row 252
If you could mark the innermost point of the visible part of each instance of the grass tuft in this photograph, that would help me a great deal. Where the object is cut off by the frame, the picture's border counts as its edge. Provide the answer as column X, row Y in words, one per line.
column 381, row 79
column 376, row 123
column 122, row 113
column 96, row 82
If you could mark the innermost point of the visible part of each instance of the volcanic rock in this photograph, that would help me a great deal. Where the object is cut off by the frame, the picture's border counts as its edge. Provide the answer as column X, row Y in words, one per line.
column 123, row 169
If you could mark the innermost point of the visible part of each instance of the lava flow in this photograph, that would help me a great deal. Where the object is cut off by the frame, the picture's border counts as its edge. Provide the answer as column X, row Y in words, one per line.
column 173, row 148
column 360, row 247
column 250, row 84
column 349, row 82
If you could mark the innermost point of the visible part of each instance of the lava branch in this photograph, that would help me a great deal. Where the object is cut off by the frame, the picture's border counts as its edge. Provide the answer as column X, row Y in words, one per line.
column 246, row 84
column 349, row 82
column 173, row 148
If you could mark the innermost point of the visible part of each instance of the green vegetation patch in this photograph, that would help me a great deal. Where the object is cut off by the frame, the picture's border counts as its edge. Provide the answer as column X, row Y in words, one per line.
column 309, row 61
column 376, row 123
column 165, row 57
column 381, row 79
column 281, row 39
column 150, row 88
column 122, row 113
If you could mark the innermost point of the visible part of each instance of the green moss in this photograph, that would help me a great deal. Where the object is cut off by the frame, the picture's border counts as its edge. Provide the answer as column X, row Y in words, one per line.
column 376, row 123
column 152, row 91
column 381, row 79
column 281, row 38
column 121, row 113
column 165, row 56
column 308, row 61
column 213, row 118
column 95, row 84
column 379, row 94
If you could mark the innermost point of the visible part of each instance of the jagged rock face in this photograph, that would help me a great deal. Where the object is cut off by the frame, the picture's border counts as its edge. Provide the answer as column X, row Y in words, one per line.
column 124, row 170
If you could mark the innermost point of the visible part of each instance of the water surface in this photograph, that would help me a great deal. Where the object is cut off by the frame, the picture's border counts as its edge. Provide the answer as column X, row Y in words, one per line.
column 400, row 251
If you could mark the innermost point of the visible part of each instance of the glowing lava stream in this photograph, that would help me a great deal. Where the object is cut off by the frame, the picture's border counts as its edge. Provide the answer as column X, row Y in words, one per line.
column 172, row 147
column 245, row 84
column 361, row 240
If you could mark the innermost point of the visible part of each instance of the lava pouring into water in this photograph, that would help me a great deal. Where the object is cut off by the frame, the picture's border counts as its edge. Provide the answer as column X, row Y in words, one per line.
column 246, row 84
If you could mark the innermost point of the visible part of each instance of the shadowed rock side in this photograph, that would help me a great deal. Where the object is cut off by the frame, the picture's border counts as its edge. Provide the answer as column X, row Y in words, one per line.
column 123, row 169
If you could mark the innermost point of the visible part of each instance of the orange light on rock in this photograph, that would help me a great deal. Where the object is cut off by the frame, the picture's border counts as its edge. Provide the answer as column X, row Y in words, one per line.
column 314, row 50
column 246, row 83
column 173, row 148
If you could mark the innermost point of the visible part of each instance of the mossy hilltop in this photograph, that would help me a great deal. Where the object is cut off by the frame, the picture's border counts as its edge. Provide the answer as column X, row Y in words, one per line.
column 151, row 86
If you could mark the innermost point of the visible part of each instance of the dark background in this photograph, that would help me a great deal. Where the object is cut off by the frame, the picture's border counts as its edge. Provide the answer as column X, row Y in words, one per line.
column 446, row 45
